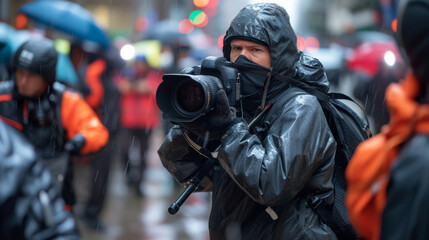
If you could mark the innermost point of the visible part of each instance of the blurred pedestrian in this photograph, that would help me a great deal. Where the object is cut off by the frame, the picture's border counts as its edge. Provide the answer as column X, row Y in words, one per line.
column 370, row 91
column 56, row 120
column 387, row 176
column 95, row 67
column 272, row 163
column 182, row 55
column 30, row 205
column 139, row 116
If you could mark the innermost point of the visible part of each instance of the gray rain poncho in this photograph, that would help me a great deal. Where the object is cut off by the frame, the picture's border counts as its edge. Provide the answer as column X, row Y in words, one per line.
column 287, row 163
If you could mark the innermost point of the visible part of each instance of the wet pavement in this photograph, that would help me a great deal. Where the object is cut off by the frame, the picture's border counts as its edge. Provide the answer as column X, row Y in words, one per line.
column 128, row 215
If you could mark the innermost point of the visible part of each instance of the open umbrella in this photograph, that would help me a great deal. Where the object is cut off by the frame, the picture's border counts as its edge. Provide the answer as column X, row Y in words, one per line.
column 67, row 17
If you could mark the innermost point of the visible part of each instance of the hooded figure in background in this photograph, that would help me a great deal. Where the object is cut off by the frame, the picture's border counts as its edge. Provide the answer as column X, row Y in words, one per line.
column 390, row 200
column 271, row 162
column 53, row 118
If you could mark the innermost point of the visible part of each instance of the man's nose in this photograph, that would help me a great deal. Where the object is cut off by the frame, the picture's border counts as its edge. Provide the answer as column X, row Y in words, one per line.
column 24, row 78
column 244, row 52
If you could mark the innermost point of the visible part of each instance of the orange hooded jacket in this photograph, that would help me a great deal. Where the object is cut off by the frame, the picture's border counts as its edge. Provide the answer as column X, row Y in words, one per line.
column 77, row 117
column 367, row 174
column 94, row 82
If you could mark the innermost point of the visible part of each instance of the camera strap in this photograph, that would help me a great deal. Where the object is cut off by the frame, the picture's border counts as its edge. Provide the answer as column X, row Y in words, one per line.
column 203, row 151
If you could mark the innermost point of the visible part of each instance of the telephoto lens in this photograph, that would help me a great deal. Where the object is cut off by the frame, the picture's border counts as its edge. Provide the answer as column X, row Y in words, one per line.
column 186, row 97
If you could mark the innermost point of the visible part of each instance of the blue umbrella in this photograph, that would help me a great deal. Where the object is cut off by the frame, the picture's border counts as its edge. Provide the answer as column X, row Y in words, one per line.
column 65, row 71
column 67, row 17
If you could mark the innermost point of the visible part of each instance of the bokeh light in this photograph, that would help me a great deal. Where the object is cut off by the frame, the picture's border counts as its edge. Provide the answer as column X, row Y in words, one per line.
column 389, row 58
column 201, row 3
column 300, row 43
column 395, row 25
column 62, row 46
column 127, row 52
column 141, row 24
column 185, row 26
column 212, row 3
column 204, row 23
column 312, row 44
column 220, row 40
column 21, row 21
column 198, row 17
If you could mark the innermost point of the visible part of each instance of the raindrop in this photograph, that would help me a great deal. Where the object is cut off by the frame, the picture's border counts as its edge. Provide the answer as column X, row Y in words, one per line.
column 96, row 176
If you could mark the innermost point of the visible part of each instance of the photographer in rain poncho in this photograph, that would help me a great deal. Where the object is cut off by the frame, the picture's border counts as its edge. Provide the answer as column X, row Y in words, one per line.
column 270, row 162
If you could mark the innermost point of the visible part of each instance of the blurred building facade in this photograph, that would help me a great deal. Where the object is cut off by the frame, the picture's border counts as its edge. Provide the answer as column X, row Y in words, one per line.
column 116, row 16
column 120, row 17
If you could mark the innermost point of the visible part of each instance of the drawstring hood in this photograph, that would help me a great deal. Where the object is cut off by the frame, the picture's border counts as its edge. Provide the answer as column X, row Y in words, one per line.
column 268, row 24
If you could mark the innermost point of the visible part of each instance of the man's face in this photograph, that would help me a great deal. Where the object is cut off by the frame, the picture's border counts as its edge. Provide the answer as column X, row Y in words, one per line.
column 29, row 84
column 255, row 52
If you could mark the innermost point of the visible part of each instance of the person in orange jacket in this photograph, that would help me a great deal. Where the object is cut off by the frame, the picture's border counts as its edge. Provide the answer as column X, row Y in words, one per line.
column 387, row 184
column 56, row 120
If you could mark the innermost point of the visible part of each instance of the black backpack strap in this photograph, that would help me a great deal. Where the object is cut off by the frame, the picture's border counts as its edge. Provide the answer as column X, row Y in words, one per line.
column 341, row 96
column 304, row 86
column 321, row 96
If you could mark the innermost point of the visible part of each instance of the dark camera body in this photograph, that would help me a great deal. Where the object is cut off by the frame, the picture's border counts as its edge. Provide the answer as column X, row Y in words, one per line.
column 187, row 96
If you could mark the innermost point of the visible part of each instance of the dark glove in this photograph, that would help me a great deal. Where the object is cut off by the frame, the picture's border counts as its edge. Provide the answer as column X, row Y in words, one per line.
column 75, row 144
column 215, row 123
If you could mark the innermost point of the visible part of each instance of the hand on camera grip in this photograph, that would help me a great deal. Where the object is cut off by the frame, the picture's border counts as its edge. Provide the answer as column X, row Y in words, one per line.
column 224, row 111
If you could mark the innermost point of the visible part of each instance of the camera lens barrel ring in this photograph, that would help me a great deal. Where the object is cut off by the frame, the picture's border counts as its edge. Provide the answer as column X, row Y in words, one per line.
column 195, row 96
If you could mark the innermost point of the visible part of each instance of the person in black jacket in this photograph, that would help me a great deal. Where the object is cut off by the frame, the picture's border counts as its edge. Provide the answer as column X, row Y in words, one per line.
column 30, row 205
column 405, row 215
column 53, row 118
column 271, row 164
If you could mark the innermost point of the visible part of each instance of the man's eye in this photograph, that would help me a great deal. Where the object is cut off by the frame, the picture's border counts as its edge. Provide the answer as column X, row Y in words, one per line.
column 257, row 50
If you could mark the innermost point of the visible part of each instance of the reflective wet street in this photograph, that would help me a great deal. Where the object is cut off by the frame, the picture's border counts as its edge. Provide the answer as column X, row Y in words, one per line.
column 128, row 215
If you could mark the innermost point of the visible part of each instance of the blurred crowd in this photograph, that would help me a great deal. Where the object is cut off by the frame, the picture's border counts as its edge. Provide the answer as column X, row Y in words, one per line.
column 119, row 93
